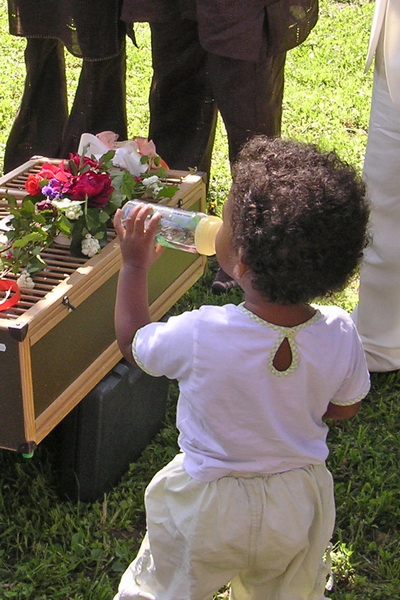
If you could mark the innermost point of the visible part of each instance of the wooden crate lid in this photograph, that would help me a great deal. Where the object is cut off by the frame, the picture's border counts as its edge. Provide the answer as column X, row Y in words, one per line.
column 14, row 182
column 64, row 271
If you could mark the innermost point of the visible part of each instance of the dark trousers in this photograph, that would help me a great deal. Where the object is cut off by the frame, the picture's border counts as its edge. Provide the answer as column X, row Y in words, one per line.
column 190, row 85
column 43, row 125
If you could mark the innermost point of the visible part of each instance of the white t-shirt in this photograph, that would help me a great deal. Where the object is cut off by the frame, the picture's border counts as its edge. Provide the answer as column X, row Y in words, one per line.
column 235, row 411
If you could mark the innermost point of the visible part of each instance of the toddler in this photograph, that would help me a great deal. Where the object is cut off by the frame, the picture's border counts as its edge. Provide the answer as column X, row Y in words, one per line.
column 249, row 500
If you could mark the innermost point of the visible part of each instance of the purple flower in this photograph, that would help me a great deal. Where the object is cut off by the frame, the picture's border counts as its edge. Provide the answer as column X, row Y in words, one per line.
column 53, row 189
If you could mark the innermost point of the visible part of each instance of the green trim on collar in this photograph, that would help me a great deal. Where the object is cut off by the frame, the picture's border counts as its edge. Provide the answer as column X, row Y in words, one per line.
column 284, row 332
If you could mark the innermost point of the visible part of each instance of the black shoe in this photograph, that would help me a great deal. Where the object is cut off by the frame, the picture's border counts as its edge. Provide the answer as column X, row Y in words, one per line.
column 222, row 283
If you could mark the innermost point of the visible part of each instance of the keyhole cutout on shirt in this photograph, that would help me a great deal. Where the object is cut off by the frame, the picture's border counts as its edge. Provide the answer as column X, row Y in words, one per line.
column 283, row 356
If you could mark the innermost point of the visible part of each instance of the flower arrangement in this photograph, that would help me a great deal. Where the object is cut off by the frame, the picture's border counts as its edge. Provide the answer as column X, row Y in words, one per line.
column 75, row 199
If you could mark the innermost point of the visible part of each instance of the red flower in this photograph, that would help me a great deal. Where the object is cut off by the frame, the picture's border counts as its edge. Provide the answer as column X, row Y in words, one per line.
column 32, row 184
column 47, row 205
column 96, row 186
column 49, row 171
column 76, row 158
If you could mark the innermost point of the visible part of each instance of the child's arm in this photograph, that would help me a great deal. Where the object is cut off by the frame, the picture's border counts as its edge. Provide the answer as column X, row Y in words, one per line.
column 139, row 251
column 336, row 412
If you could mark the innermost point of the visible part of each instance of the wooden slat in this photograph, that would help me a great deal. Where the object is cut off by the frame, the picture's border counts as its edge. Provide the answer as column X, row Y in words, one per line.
column 27, row 390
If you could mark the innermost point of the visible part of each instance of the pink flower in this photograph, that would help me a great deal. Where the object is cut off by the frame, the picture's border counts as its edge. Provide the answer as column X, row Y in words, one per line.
column 108, row 138
column 148, row 148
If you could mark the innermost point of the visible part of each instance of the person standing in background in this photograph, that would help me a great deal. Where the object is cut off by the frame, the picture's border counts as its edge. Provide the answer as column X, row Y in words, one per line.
column 210, row 56
column 377, row 315
column 91, row 30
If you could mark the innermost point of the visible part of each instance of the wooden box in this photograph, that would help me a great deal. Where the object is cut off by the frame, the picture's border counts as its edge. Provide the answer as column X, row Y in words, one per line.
column 58, row 342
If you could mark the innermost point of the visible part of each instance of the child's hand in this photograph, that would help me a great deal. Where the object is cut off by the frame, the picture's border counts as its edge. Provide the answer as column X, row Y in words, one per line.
column 137, row 236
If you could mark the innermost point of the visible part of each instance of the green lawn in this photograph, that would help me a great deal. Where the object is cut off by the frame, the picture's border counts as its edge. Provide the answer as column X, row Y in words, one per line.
column 53, row 549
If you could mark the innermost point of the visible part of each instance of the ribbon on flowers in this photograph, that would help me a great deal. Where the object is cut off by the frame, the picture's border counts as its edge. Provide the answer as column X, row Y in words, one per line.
column 126, row 157
column 127, row 153
column 12, row 296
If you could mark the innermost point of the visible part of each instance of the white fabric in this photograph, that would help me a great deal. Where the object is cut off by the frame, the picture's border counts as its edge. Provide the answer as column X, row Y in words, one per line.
column 378, row 313
column 126, row 154
column 265, row 534
column 386, row 25
column 234, row 413
column 376, row 28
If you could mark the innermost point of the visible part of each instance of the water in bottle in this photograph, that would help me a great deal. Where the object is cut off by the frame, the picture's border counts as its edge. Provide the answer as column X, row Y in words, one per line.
column 190, row 231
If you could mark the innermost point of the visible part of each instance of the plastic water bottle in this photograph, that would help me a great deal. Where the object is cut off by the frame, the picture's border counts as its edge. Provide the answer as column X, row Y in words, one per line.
column 190, row 231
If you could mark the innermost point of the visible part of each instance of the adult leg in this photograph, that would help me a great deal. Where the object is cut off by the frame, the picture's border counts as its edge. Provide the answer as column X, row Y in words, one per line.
column 182, row 108
column 100, row 99
column 249, row 97
column 378, row 313
column 41, row 118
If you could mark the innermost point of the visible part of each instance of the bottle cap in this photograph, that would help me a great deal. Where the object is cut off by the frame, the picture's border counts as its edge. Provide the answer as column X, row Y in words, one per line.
column 205, row 234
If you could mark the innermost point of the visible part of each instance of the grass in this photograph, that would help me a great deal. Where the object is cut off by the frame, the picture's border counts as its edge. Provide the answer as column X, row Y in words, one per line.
column 52, row 548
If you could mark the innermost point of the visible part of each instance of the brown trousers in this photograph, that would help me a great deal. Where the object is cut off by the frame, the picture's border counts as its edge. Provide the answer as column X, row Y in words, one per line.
column 190, row 85
column 43, row 125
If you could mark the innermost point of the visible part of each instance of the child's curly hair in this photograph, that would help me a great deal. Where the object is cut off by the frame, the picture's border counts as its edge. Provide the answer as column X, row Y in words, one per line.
column 299, row 217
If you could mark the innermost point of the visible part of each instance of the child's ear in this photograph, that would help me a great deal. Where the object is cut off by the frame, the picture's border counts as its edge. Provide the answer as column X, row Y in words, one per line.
column 240, row 267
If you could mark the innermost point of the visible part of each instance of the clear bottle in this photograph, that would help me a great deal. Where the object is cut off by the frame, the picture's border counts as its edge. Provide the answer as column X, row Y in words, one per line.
column 190, row 231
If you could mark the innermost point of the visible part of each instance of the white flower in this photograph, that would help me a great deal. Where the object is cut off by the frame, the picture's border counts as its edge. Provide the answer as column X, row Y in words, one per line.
column 25, row 281
column 151, row 181
column 3, row 242
column 71, row 208
column 90, row 245
column 74, row 212
column 153, row 184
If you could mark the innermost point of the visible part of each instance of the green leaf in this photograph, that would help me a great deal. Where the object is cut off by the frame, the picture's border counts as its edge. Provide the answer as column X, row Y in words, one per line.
column 116, row 201
column 161, row 173
column 64, row 225
column 128, row 184
column 35, row 236
column 92, row 218
column 167, row 192
column 103, row 216
column 84, row 169
column 27, row 206
column 106, row 160
column 11, row 200
column 76, row 246
column 72, row 166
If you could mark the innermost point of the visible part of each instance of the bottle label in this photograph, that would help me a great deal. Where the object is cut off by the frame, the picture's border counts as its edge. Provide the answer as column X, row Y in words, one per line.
column 177, row 231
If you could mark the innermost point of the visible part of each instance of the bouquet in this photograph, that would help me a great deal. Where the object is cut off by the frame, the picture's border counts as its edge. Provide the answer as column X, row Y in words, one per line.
column 75, row 199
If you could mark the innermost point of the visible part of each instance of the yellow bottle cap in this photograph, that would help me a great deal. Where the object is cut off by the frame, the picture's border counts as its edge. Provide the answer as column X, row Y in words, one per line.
column 205, row 234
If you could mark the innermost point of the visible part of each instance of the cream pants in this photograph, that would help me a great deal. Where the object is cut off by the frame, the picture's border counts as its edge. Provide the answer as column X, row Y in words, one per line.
column 378, row 313
column 264, row 534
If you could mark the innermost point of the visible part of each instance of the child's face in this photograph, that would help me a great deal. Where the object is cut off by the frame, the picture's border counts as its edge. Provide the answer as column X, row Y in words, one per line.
column 225, row 253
